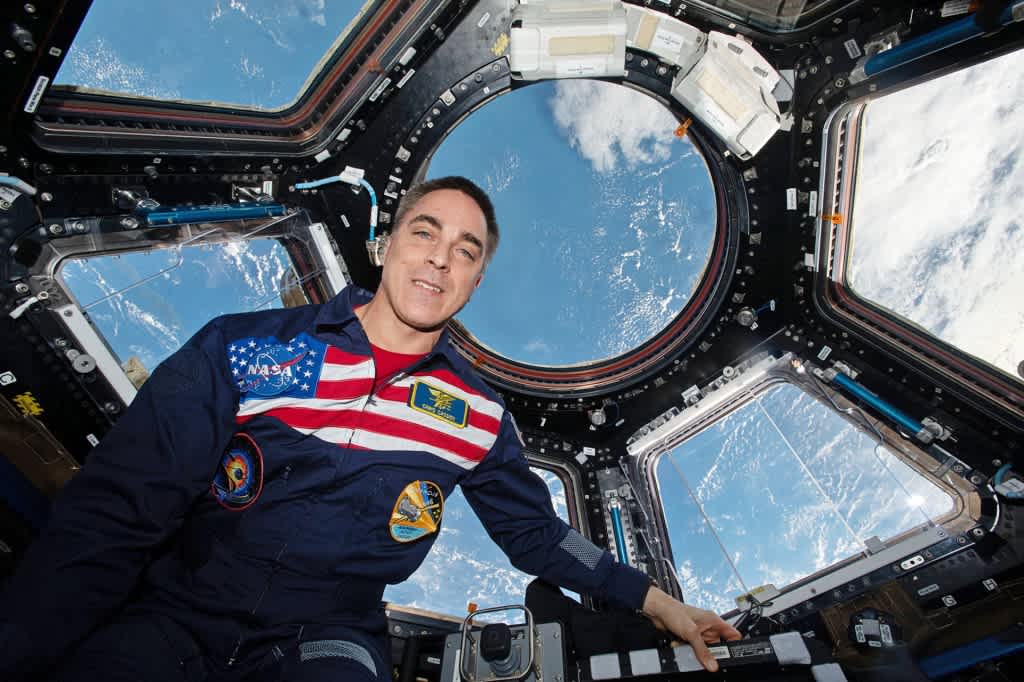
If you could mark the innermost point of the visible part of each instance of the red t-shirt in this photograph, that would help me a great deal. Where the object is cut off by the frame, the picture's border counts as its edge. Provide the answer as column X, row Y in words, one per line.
column 387, row 362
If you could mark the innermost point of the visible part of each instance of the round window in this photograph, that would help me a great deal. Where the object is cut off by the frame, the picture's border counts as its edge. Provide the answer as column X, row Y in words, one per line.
column 607, row 217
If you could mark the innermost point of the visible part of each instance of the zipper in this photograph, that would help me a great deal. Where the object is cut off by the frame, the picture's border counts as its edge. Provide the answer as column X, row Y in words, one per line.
column 388, row 380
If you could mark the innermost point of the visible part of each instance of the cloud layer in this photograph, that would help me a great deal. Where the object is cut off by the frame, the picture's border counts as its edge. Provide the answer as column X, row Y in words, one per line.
column 937, row 232
column 609, row 123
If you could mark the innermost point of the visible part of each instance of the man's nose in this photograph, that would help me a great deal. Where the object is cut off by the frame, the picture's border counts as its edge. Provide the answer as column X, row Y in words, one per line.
column 438, row 256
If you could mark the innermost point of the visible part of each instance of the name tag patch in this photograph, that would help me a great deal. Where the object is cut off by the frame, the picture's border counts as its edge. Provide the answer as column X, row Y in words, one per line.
column 417, row 511
column 439, row 404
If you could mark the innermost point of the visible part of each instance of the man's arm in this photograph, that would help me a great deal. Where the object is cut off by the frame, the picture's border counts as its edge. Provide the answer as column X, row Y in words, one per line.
column 132, row 493
column 514, row 505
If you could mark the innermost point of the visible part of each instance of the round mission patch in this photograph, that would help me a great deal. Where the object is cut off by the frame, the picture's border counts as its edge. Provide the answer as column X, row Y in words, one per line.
column 239, row 480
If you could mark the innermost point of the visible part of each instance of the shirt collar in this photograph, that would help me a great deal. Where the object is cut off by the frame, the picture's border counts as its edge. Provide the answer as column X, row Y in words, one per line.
column 338, row 316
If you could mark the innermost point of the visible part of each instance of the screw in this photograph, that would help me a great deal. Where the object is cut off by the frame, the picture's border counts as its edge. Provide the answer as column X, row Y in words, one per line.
column 978, row 532
column 976, row 480
column 46, row 197
column 56, row 229
column 997, row 462
column 21, row 288
column 30, row 8
column 10, row 54
column 110, row 407
column 60, row 342
column 79, row 227
column 129, row 222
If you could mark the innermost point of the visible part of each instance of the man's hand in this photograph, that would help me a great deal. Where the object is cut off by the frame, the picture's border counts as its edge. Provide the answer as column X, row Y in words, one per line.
column 696, row 626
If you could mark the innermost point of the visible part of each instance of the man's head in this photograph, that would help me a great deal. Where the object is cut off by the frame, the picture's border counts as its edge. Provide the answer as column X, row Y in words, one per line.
column 467, row 187
column 444, row 235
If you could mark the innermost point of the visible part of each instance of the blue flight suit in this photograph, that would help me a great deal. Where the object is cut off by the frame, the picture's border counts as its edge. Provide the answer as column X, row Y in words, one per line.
column 282, row 570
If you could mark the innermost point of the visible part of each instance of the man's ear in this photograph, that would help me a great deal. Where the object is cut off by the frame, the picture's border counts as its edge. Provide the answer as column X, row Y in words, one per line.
column 479, row 278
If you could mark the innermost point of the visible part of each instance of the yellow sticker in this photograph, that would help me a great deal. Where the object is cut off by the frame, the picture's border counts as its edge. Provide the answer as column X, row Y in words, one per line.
column 28, row 404
column 500, row 45
column 417, row 511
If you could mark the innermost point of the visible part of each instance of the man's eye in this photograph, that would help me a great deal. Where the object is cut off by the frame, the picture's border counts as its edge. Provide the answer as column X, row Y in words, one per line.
column 467, row 254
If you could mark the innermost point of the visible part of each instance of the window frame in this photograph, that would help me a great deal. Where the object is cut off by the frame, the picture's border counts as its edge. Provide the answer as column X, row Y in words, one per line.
column 726, row 396
column 839, row 303
column 320, row 269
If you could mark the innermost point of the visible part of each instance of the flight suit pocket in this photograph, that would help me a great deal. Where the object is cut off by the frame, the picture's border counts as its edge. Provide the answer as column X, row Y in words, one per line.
column 275, row 520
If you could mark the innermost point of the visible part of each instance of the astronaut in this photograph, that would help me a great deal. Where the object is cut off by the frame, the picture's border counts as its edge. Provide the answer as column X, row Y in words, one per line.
column 243, row 517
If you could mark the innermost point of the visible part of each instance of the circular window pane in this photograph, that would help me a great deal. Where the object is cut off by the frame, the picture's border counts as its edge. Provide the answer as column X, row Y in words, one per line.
column 607, row 219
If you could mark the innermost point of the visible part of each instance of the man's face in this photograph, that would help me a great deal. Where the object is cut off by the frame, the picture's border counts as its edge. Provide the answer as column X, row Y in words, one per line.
column 434, row 259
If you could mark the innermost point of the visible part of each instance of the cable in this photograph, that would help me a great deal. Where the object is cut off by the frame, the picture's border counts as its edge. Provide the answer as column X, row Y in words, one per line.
column 17, row 184
column 351, row 176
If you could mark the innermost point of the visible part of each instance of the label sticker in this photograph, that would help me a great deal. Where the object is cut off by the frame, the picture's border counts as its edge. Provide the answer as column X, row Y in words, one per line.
column 7, row 196
column 36, row 95
column 27, row 403
column 92, row 439
column 928, row 590
column 667, row 40
column 812, row 204
column 417, row 512
column 791, row 199
column 852, row 48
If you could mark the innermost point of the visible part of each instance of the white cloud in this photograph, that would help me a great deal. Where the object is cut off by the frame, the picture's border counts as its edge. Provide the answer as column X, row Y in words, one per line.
column 607, row 122
column 97, row 65
column 503, row 173
column 938, row 232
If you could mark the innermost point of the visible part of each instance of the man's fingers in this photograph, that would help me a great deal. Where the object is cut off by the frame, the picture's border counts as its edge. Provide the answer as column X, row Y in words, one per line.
column 703, row 654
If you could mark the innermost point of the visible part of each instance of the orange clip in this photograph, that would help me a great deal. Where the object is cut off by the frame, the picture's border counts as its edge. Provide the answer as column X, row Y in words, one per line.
column 471, row 607
column 834, row 218
column 684, row 127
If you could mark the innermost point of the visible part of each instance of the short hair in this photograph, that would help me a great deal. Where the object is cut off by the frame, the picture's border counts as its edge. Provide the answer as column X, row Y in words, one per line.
column 467, row 187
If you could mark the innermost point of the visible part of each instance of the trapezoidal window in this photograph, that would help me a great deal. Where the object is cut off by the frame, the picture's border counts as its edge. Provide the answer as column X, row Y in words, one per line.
column 146, row 304
column 936, row 231
column 253, row 53
column 780, row 488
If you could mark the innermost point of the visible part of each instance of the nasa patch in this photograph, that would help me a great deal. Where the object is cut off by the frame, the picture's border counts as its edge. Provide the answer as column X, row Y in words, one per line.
column 271, row 370
column 239, row 479
column 417, row 511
